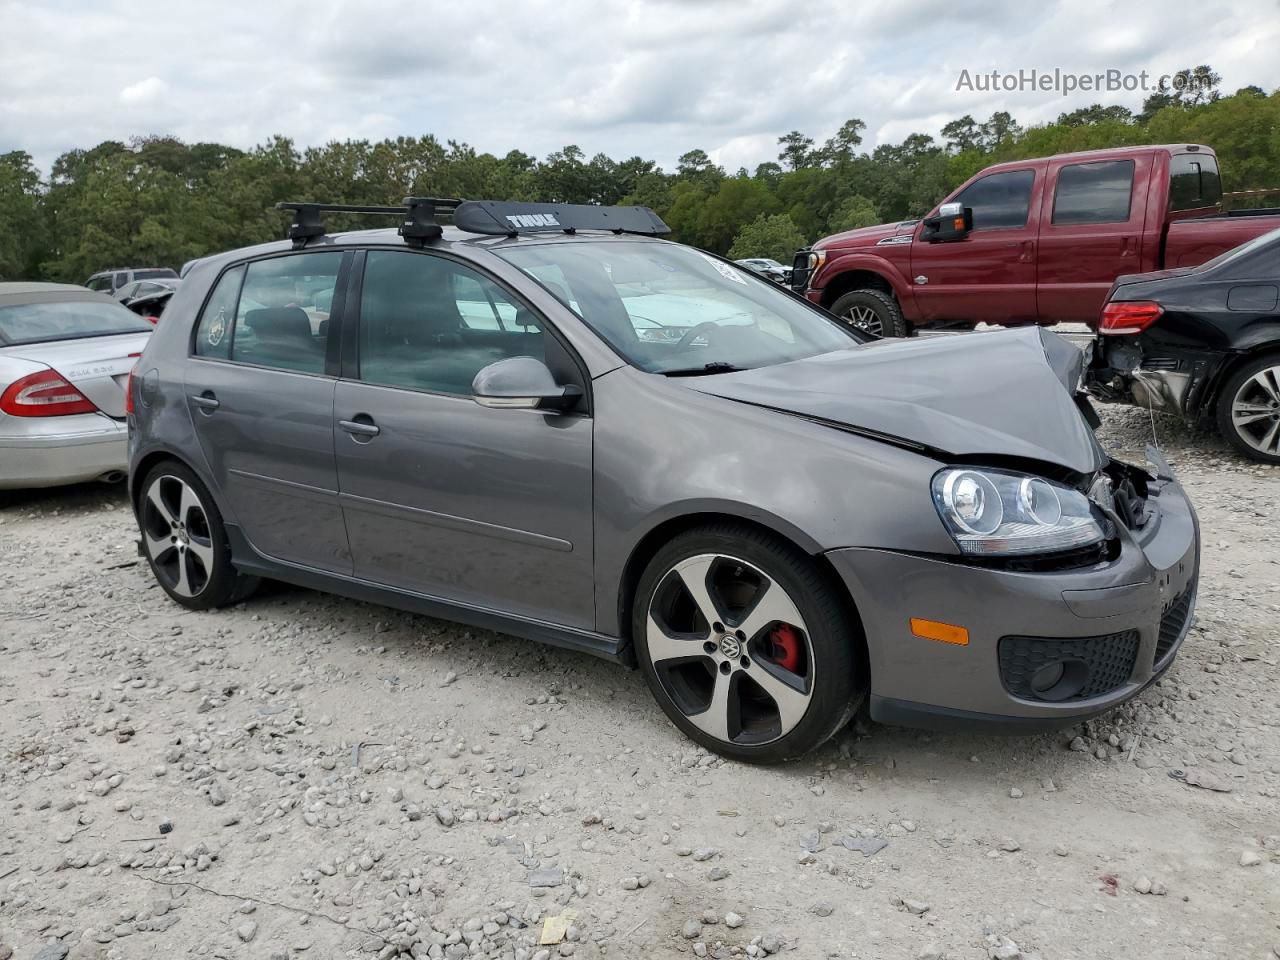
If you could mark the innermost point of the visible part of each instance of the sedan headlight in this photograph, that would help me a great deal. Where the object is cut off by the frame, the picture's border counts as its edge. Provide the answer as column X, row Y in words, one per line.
column 993, row 513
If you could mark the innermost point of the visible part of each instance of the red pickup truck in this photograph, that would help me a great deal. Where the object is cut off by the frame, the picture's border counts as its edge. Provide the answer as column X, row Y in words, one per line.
column 1031, row 241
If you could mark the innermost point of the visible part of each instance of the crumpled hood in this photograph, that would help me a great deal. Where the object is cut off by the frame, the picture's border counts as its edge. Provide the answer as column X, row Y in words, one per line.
column 865, row 236
column 1004, row 393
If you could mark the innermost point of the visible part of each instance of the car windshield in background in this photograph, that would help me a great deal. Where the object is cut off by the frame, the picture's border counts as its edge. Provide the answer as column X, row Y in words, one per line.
column 158, row 273
column 66, row 320
column 672, row 310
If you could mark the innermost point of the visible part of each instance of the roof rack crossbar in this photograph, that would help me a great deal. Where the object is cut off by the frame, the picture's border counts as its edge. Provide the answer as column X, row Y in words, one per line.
column 417, row 225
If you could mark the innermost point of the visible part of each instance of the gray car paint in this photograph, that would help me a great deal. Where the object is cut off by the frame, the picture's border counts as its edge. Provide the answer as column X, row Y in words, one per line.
column 930, row 391
column 759, row 446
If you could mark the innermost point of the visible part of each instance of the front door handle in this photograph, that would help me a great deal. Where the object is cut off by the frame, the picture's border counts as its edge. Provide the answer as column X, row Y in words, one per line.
column 363, row 427
column 206, row 401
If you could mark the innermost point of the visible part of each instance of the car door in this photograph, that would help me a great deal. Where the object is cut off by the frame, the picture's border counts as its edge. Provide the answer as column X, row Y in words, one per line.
column 443, row 497
column 1091, row 231
column 260, row 384
column 990, row 274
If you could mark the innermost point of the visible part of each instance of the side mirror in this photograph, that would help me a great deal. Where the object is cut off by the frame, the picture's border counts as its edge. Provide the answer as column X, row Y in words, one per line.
column 522, row 383
column 953, row 222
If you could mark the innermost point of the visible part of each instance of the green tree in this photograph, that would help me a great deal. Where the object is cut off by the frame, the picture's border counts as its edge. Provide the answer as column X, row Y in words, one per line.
column 776, row 237
column 22, row 228
column 854, row 212
column 797, row 150
column 962, row 134
column 839, row 149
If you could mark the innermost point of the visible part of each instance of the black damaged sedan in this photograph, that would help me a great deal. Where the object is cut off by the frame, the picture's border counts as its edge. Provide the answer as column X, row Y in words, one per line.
column 1200, row 342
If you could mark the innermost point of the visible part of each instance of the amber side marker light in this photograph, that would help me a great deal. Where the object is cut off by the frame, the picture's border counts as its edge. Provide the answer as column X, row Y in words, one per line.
column 942, row 632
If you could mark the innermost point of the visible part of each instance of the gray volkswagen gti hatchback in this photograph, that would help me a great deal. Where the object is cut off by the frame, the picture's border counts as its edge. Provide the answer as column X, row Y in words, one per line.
column 547, row 421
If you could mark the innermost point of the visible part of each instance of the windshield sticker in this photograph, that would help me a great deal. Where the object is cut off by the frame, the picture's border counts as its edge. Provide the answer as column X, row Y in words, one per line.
column 726, row 271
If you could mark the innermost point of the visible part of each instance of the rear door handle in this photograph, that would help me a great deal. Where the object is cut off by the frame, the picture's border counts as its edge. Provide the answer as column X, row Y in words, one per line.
column 359, row 428
column 206, row 401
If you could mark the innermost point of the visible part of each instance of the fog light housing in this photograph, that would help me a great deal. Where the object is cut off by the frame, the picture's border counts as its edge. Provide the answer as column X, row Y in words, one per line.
column 1059, row 680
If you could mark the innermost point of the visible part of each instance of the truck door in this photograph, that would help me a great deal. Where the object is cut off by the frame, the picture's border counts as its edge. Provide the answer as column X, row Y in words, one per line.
column 1091, row 231
column 990, row 275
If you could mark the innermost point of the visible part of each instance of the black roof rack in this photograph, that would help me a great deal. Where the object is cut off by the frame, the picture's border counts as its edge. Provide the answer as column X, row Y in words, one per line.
column 417, row 225
column 488, row 217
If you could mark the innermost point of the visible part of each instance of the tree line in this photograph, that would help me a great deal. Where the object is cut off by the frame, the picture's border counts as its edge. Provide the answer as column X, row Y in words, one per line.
column 158, row 201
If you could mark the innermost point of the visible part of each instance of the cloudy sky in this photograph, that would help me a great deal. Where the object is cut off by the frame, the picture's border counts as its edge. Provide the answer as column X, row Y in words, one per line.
column 618, row 76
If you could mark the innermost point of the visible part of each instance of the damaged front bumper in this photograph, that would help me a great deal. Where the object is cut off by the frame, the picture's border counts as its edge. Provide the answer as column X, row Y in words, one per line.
column 1113, row 627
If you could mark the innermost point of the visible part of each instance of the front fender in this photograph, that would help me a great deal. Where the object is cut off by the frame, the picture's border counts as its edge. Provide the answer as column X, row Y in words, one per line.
column 865, row 261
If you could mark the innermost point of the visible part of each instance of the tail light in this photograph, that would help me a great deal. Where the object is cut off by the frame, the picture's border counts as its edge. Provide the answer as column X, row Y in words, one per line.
column 128, row 384
column 152, row 320
column 44, row 394
column 1132, row 316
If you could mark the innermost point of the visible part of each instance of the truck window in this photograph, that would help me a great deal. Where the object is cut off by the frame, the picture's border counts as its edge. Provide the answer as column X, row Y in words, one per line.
column 1193, row 181
column 1093, row 192
column 1000, row 200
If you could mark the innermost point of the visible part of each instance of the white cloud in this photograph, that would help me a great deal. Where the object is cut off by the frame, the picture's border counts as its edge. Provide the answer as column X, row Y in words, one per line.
column 150, row 90
column 624, row 77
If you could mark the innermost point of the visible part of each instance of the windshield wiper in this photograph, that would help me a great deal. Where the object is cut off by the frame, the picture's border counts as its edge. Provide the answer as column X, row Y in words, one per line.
column 716, row 366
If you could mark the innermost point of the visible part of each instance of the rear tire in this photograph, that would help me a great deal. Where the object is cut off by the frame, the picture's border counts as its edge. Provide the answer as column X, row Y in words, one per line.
column 1248, row 409
column 185, row 542
column 770, row 672
column 872, row 311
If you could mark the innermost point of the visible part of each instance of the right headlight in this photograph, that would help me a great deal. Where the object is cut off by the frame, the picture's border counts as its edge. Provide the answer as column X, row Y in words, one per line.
column 997, row 513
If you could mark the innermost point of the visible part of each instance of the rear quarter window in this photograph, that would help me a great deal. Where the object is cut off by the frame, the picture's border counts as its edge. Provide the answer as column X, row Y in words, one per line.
column 1193, row 182
column 213, row 335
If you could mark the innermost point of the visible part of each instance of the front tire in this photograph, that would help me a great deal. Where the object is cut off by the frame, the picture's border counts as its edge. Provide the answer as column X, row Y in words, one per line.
column 1249, row 409
column 745, row 643
column 872, row 311
column 185, row 541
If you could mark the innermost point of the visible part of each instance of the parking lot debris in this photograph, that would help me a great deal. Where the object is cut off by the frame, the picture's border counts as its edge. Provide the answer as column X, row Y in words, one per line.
column 1249, row 858
column 555, row 929
column 1203, row 779
column 546, row 877
column 867, row 846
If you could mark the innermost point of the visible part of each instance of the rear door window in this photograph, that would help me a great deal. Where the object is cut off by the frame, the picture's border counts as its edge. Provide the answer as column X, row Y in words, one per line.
column 282, row 317
column 1093, row 193
column 999, row 201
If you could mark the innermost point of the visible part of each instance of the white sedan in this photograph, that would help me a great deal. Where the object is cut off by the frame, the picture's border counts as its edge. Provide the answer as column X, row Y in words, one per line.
column 65, row 357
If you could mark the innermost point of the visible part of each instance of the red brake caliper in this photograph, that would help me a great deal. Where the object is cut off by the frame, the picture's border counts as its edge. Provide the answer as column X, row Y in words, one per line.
column 786, row 647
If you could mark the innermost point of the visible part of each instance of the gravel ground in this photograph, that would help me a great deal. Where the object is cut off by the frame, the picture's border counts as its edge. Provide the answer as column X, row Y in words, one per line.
column 306, row 776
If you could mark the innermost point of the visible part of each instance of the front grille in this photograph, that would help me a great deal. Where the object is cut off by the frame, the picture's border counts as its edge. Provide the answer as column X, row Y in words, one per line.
column 1173, row 623
column 800, row 271
column 1092, row 665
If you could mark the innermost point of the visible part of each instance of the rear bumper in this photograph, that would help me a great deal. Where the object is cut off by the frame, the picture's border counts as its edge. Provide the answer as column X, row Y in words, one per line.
column 52, row 453
column 1134, row 611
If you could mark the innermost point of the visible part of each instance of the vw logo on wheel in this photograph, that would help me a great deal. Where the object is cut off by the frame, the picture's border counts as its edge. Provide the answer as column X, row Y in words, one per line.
column 730, row 647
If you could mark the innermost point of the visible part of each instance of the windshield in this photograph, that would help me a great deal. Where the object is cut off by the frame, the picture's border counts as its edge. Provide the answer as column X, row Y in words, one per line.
column 671, row 309
column 66, row 320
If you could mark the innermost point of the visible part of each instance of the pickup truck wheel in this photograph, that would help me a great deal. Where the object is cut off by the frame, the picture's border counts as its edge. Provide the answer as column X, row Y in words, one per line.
column 872, row 311
column 1249, row 409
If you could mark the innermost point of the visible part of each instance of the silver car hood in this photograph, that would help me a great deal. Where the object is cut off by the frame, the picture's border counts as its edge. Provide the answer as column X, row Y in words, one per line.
column 1007, row 393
